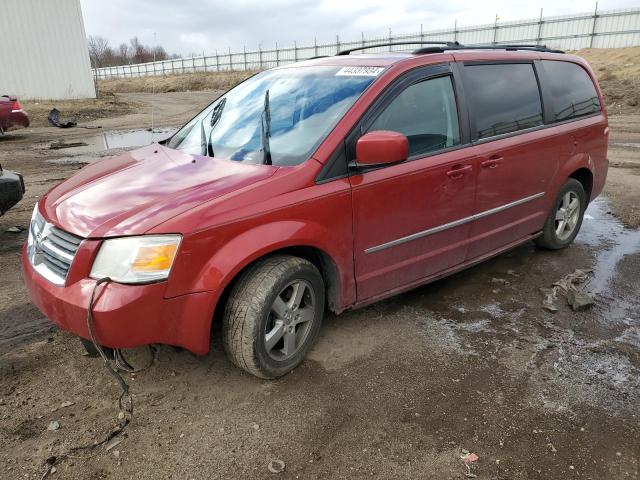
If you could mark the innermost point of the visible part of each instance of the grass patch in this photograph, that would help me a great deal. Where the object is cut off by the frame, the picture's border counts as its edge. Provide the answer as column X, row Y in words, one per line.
column 188, row 82
column 105, row 106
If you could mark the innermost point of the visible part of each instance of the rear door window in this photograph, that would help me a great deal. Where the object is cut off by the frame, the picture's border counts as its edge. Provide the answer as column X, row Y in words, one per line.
column 574, row 94
column 426, row 114
column 503, row 98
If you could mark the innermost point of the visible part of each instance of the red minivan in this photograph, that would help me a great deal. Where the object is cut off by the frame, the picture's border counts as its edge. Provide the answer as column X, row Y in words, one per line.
column 327, row 184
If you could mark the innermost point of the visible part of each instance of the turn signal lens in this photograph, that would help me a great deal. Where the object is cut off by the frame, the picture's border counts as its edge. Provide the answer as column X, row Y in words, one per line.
column 152, row 259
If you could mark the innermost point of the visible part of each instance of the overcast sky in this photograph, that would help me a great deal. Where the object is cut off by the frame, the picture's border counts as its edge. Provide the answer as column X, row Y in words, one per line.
column 187, row 26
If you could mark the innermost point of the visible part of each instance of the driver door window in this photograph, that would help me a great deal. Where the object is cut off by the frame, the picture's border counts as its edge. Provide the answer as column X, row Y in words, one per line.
column 426, row 114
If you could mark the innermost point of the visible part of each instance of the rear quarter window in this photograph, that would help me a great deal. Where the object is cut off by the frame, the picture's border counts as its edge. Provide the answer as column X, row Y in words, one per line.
column 504, row 98
column 574, row 94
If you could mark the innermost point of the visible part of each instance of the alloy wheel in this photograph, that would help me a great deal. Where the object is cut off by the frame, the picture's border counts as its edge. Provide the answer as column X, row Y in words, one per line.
column 567, row 215
column 290, row 320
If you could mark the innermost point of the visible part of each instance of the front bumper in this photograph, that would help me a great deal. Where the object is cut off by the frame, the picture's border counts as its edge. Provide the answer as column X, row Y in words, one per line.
column 125, row 316
column 11, row 190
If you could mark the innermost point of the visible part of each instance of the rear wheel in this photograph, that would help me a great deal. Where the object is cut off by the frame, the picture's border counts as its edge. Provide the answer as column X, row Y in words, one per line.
column 273, row 315
column 565, row 218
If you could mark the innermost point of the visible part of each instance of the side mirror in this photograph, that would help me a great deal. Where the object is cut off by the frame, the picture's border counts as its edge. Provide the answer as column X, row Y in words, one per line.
column 381, row 147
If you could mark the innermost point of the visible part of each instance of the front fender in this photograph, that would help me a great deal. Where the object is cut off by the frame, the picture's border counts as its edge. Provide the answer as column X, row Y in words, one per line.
column 232, row 256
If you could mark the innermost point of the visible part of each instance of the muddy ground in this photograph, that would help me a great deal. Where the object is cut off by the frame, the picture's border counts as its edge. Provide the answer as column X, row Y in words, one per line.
column 401, row 389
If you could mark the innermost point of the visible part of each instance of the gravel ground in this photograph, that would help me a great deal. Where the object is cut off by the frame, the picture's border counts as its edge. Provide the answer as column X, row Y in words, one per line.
column 404, row 388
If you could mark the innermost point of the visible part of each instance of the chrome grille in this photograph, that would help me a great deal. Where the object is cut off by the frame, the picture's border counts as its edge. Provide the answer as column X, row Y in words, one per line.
column 51, row 250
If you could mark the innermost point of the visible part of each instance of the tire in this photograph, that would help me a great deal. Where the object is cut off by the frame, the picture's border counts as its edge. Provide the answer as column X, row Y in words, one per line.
column 262, row 306
column 553, row 237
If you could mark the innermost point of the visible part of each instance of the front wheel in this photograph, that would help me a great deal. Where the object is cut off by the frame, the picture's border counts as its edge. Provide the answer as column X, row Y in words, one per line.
column 273, row 315
column 565, row 218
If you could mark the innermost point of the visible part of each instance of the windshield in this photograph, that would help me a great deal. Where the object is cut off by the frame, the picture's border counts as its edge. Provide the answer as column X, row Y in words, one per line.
column 302, row 106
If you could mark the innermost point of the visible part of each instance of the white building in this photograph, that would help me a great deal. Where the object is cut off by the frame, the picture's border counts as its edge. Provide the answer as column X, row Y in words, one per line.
column 43, row 53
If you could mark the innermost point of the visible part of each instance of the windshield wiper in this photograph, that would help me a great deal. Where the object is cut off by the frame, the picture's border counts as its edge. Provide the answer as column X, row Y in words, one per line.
column 265, row 130
column 217, row 112
column 215, row 118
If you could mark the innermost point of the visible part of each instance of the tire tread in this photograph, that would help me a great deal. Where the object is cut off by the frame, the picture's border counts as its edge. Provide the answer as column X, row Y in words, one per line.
column 245, row 304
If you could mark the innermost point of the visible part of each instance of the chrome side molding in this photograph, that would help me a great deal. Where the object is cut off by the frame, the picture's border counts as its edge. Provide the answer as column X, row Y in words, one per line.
column 456, row 223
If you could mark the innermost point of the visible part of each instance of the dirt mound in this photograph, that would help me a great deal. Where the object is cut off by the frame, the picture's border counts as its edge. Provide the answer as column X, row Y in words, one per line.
column 618, row 71
column 613, row 63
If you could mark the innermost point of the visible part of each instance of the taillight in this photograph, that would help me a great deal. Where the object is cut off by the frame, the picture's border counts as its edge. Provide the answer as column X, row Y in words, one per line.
column 16, row 106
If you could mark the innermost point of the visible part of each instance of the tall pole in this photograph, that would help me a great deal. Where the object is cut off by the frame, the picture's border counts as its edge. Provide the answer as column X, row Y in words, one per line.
column 495, row 30
column 540, row 22
column 593, row 29
column 244, row 51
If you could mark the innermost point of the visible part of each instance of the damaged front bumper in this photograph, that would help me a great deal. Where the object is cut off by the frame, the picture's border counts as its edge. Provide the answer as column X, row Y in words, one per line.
column 125, row 316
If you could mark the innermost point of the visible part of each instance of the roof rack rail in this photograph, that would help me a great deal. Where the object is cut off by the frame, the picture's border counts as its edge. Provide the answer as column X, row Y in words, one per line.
column 510, row 47
column 391, row 44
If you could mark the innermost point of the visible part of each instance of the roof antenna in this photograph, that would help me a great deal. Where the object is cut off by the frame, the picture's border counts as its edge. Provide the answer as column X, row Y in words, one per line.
column 153, row 82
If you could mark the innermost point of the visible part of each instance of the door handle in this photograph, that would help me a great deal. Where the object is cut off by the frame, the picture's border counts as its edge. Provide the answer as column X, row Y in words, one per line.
column 493, row 162
column 459, row 171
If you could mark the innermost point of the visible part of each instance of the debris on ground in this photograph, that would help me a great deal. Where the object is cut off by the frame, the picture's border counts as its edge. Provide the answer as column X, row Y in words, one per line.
column 567, row 286
column 579, row 300
column 54, row 119
column 114, row 443
column 16, row 229
column 60, row 144
column 63, row 405
column 276, row 466
column 469, row 458
column 53, row 425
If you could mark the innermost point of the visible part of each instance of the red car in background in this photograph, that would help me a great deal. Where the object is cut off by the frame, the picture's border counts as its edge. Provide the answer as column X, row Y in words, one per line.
column 12, row 113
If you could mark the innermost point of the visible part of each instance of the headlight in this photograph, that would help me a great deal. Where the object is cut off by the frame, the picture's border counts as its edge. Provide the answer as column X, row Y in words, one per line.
column 142, row 259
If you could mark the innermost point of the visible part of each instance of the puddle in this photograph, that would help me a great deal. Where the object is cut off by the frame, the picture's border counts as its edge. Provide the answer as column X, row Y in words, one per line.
column 601, row 229
column 135, row 138
column 105, row 142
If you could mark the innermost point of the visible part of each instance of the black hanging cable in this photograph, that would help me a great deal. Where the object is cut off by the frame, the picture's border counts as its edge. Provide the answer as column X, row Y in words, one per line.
column 125, row 401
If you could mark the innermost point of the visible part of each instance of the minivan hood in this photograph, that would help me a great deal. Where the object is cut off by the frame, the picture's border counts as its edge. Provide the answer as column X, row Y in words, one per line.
column 131, row 193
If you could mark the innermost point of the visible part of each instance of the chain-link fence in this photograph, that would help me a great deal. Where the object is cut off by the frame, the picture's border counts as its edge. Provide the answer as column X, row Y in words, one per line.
column 599, row 29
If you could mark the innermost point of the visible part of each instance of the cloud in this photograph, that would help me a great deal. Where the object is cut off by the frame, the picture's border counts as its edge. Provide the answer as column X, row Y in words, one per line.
column 196, row 26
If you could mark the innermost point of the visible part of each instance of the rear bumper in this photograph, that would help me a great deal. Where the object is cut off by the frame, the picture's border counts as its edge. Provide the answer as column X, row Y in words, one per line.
column 11, row 190
column 17, row 118
column 125, row 316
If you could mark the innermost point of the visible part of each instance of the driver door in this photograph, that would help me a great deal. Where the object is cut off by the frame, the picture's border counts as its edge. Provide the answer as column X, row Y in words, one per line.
column 412, row 219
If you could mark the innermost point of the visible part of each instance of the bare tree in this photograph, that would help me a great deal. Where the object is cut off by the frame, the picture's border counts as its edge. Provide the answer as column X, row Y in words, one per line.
column 99, row 51
column 139, row 52
column 161, row 53
column 102, row 55
column 123, row 50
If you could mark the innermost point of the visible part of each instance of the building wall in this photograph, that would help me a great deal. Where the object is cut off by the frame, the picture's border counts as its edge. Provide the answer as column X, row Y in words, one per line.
column 43, row 50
